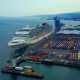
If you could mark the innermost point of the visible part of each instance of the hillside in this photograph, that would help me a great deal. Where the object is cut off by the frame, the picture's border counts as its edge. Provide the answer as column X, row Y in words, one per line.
column 73, row 15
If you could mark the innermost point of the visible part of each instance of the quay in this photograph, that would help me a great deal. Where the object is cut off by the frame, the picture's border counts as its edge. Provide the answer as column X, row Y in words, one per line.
column 55, row 61
column 21, row 71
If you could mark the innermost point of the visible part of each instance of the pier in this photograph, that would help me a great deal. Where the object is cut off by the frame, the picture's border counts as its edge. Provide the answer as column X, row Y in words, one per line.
column 23, row 72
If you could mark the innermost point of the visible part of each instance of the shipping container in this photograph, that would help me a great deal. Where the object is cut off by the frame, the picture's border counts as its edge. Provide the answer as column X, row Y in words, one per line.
column 71, row 55
column 76, row 55
column 27, row 53
column 58, row 55
column 79, row 54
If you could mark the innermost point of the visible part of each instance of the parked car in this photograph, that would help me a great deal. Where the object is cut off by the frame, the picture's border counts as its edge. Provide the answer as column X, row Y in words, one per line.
column 58, row 55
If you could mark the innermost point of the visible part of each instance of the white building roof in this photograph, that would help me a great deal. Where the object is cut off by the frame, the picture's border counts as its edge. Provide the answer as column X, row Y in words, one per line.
column 68, row 32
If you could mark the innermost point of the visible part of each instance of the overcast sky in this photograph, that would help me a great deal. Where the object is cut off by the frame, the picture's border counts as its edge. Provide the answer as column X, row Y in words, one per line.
column 33, row 7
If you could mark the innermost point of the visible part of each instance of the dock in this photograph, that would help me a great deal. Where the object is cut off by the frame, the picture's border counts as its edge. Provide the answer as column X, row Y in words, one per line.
column 55, row 61
column 24, row 72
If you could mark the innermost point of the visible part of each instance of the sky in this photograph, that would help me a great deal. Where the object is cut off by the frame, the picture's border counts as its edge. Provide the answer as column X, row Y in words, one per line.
column 35, row 7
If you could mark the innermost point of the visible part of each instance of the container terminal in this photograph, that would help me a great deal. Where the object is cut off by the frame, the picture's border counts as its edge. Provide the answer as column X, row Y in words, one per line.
column 56, row 49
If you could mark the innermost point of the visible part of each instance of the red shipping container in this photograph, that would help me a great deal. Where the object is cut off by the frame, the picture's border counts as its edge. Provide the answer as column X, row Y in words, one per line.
column 69, row 55
column 58, row 55
column 29, row 52
column 47, row 52
column 76, row 55
column 35, row 51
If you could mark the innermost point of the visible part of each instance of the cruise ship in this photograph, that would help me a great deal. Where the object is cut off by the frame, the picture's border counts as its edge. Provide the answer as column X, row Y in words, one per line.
column 27, row 36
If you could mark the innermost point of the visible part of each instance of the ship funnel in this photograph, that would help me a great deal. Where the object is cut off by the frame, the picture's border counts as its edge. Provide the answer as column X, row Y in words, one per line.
column 27, row 26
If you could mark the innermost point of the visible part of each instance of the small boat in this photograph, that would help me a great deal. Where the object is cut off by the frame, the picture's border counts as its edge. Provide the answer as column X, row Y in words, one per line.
column 31, row 61
column 28, row 66
column 38, row 62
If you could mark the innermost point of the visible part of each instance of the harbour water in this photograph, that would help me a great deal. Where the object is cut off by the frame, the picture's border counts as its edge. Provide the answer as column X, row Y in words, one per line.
column 8, row 26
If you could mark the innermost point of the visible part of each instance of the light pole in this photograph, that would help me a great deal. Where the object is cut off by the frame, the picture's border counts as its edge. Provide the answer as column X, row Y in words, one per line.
column 37, row 35
column 43, row 33
column 37, row 27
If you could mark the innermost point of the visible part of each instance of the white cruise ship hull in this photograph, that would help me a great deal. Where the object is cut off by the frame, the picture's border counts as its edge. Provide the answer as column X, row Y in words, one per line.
column 18, row 46
column 24, row 44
